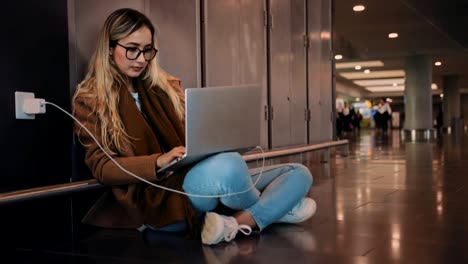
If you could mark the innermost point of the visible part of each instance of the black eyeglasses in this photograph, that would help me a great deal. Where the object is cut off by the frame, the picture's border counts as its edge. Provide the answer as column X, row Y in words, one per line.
column 132, row 53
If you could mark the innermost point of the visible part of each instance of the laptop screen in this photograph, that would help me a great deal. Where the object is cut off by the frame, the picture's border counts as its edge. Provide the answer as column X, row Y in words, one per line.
column 222, row 119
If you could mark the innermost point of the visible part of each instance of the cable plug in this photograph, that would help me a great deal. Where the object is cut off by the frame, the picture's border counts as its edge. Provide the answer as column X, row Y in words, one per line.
column 34, row 106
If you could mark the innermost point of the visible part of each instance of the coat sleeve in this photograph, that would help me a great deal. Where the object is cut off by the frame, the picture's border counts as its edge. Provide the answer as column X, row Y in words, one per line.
column 101, row 166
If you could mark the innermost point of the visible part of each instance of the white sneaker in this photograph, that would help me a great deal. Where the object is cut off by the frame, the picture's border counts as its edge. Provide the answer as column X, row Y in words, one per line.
column 304, row 210
column 218, row 228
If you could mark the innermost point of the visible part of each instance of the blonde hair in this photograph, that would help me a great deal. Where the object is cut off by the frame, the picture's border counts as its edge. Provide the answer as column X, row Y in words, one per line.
column 104, row 80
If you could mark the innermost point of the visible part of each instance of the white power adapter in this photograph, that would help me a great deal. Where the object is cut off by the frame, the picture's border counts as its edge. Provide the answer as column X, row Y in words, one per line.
column 34, row 106
column 26, row 106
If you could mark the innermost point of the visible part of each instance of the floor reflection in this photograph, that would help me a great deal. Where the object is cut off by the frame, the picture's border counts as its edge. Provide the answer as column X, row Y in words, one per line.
column 388, row 201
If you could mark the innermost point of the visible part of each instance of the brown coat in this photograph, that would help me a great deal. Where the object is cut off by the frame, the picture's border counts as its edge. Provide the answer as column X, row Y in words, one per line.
column 124, row 205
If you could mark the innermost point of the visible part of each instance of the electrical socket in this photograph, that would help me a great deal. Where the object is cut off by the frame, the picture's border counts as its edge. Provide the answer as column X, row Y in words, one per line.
column 20, row 97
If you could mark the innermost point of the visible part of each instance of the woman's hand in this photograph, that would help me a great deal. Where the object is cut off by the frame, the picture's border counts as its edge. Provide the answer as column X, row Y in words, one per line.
column 166, row 158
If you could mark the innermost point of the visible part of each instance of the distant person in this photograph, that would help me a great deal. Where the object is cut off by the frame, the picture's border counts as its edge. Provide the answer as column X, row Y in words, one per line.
column 357, row 120
column 384, row 114
column 339, row 105
column 347, row 116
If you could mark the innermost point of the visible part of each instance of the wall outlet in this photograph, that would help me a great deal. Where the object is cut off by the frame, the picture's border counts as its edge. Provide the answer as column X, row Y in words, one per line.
column 19, row 102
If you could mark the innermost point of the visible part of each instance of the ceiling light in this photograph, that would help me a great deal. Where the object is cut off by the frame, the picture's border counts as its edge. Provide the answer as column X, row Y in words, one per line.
column 393, row 35
column 386, row 89
column 367, row 71
column 438, row 63
column 376, row 82
column 358, row 99
column 441, row 95
column 338, row 57
column 373, row 74
column 358, row 67
column 359, row 8
column 367, row 64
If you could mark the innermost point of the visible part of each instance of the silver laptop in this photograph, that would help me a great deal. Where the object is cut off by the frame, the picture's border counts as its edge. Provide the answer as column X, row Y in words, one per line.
column 219, row 119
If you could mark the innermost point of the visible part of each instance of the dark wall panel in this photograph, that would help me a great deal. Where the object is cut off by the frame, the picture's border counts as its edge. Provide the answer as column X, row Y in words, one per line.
column 34, row 58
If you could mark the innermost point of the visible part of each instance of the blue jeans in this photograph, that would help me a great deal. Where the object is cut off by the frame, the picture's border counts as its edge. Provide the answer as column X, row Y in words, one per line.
column 280, row 188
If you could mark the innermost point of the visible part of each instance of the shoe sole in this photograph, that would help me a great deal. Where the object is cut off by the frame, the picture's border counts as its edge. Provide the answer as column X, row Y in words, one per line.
column 309, row 205
column 212, row 229
column 313, row 208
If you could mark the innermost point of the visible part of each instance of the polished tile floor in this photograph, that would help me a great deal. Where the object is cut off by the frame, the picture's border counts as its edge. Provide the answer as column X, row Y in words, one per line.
column 388, row 201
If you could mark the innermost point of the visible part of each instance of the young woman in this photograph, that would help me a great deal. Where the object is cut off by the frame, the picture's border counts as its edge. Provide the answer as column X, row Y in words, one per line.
column 136, row 111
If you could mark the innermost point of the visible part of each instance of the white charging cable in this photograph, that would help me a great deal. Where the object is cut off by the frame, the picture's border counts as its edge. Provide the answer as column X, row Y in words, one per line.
column 151, row 183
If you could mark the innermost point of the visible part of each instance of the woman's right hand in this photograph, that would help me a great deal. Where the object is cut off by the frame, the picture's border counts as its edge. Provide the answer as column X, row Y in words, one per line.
column 166, row 158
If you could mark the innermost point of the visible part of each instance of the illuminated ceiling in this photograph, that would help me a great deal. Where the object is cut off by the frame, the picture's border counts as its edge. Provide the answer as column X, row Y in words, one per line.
column 362, row 39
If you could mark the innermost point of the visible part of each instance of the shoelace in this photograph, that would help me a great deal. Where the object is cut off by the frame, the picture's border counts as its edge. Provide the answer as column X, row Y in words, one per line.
column 233, row 228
